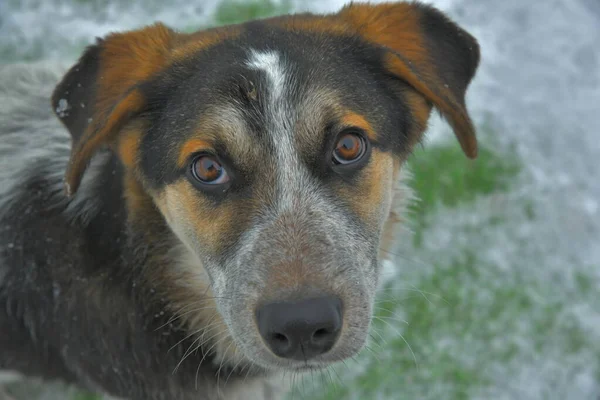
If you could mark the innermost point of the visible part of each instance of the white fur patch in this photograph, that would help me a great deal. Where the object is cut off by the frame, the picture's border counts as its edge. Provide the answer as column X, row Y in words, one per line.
column 269, row 62
column 293, row 177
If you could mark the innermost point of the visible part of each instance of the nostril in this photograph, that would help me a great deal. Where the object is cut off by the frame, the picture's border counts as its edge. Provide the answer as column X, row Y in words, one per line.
column 280, row 339
column 321, row 334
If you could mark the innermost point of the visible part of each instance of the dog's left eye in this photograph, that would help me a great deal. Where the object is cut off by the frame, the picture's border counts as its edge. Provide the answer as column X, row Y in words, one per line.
column 349, row 148
column 208, row 170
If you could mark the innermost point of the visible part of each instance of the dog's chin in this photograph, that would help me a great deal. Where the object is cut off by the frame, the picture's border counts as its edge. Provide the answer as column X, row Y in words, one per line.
column 286, row 366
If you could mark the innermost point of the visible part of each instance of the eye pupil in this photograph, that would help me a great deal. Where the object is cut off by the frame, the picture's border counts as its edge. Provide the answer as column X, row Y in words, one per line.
column 348, row 144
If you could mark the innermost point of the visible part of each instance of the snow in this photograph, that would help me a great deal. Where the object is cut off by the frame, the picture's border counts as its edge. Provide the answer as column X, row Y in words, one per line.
column 538, row 87
column 63, row 107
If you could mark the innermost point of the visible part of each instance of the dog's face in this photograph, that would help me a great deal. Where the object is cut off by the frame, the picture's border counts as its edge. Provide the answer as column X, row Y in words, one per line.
column 271, row 150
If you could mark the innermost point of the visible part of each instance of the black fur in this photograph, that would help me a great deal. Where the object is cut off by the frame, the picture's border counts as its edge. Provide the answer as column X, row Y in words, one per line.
column 79, row 91
column 455, row 52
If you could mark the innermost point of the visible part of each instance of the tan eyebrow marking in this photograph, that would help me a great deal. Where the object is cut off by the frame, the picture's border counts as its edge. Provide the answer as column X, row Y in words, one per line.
column 352, row 119
column 190, row 147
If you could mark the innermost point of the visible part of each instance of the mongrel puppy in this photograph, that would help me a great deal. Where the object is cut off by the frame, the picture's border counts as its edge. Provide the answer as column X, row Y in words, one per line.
column 227, row 194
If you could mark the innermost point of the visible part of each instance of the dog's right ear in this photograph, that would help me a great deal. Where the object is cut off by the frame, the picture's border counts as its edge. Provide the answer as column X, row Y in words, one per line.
column 101, row 93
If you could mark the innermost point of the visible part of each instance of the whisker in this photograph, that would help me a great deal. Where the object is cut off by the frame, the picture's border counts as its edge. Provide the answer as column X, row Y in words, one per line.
column 208, row 352
column 246, row 377
column 293, row 384
column 190, row 351
column 370, row 350
column 405, row 341
column 338, row 376
column 375, row 341
column 394, row 318
column 346, row 365
column 383, row 297
column 204, row 328
column 332, row 383
column 431, row 294
column 380, row 336
column 412, row 288
column 178, row 316
column 233, row 369
column 404, row 257
column 221, row 364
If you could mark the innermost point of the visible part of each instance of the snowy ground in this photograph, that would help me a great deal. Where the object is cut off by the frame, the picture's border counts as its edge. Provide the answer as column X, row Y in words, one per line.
column 500, row 285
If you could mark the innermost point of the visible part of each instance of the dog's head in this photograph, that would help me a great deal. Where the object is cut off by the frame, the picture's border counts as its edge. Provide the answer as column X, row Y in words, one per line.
column 271, row 149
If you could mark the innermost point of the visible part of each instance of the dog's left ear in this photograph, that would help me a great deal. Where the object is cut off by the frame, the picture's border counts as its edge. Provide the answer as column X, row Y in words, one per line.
column 103, row 91
column 428, row 51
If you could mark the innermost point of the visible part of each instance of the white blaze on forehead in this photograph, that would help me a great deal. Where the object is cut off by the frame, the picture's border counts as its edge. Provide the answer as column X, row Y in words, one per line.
column 269, row 62
column 292, row 175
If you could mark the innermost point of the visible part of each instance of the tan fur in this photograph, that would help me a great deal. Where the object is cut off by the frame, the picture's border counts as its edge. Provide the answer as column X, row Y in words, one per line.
column 351, row 120
column 370, row 191
column 126, row 60
column 420, row 110
column 128, row 144
column 189, row 148
column 221, row 123
column 195, row 216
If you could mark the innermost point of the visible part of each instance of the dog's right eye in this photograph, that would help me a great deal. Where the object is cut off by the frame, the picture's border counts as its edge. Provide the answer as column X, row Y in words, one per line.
column 207, row 170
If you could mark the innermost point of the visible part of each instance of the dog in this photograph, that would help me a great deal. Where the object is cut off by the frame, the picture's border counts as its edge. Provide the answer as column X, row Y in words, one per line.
column 200, row 215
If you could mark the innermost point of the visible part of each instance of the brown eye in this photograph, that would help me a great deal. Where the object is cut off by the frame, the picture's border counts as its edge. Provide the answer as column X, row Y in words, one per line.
column 350, row 147
column 208, row 170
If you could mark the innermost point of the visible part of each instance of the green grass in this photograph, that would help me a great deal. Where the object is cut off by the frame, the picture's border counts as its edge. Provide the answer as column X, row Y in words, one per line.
column 231, row 12
column 86, row 396
column 237, row 11
column 464, row 314
column 444, row 177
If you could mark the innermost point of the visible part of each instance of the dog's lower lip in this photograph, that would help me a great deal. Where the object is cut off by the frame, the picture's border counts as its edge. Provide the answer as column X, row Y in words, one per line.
column 303, row 368
column 310, row 367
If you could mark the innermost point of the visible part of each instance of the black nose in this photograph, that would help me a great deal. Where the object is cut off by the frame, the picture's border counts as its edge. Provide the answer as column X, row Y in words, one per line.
column 303, row 329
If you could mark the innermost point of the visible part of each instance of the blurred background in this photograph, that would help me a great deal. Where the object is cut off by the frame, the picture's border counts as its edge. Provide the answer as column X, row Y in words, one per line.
column 495, row 292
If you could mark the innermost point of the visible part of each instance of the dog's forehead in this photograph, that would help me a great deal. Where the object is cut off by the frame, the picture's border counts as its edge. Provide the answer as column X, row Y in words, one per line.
column 271, row 58
column 268, row 96
column 311, row 77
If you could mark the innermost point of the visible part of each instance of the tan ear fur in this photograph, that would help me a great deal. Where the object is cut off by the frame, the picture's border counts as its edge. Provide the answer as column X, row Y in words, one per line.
column 112, row 72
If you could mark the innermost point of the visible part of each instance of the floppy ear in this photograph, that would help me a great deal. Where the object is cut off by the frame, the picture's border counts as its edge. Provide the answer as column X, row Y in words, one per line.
column 102, row 92
column 428, row 51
